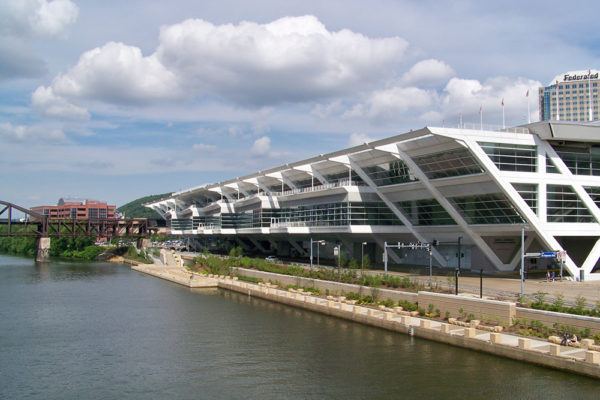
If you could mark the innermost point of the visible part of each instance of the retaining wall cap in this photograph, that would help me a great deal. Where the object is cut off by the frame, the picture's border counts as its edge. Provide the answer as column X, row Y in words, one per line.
column 559, row 314
column 469, row 299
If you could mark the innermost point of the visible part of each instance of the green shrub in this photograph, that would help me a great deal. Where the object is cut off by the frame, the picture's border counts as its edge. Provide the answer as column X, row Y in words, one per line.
column 249, row 279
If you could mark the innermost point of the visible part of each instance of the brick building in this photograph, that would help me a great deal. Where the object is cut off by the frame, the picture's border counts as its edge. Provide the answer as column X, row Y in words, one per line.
column 78, row 209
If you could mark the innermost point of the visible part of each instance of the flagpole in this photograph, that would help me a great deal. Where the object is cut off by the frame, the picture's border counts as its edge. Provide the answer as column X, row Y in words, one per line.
column 590, row 94
column 528, row 112
column 503, row 124
column 481, row 117
column 557, row 112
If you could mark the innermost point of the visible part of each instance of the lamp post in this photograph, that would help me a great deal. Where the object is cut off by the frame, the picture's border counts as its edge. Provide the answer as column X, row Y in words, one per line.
column 362, row 257
column 459, row 253
column 319, row 243
column 311, row 253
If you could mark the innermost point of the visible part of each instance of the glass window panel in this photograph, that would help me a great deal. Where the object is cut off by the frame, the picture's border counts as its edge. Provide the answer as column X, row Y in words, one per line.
column 448, row 163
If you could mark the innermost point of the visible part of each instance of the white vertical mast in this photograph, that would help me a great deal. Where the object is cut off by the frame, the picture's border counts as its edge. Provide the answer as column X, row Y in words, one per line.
column 503, row 124
column 590, row 94
column 557, row 112
column 528, row 112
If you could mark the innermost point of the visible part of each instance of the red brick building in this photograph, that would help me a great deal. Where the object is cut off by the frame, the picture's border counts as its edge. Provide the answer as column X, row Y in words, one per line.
column 78, row 209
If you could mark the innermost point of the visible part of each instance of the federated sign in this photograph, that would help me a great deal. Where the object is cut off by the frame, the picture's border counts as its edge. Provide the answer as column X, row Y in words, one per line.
column 548, row 254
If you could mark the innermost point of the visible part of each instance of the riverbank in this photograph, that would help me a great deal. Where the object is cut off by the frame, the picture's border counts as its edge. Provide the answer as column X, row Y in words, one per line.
column 581, row 360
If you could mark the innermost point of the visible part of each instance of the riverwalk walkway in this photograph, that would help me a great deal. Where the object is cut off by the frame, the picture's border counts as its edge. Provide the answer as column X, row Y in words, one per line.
column 583, row 360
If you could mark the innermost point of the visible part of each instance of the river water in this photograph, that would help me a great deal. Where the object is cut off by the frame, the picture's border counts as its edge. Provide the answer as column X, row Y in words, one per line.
column 102, row 331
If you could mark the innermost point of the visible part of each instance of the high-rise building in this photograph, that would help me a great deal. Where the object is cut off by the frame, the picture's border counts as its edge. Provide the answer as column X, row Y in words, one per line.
column 572, row 96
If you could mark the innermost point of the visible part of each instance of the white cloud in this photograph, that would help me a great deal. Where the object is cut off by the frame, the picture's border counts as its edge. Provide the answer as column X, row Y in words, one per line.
column 427, row 73
column 203, row 147
column 22, row 133
column 36, row 18
column 466, row 96
column 117, row 73
column 261, row 146
column 48, row 104
column 51, row 18
column 392, row 103
column 21, row 21
column 292, row 59
column 358, row 138
column 288, row 60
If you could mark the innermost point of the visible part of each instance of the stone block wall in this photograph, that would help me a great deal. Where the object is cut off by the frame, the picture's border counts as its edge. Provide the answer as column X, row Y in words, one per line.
column 549, row 318
column 481, row 309
column 333, row 287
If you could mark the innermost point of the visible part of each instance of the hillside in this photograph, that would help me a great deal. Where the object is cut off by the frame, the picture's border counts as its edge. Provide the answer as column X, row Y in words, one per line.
column 135, row 208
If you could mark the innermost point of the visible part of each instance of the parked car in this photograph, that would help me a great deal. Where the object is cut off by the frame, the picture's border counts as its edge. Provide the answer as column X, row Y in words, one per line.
column 271, row 259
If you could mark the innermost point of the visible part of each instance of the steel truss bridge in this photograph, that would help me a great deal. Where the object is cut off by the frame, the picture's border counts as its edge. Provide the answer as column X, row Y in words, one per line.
column 38, row 225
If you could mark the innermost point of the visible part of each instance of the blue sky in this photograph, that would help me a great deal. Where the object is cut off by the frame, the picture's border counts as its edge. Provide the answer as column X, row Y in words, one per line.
column 116, row 100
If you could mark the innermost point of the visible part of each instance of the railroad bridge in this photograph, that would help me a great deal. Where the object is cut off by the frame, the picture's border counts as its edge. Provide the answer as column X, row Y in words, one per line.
column 43, row 228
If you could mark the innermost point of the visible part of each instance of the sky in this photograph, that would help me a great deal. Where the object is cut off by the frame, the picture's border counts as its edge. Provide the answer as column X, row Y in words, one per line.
column 116, row 100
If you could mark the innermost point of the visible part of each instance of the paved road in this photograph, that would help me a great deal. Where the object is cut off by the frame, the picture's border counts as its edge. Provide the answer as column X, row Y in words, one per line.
column 511, row 288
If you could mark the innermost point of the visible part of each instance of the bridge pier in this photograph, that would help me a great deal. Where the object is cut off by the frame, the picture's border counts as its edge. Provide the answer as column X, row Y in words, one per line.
column 43, row 250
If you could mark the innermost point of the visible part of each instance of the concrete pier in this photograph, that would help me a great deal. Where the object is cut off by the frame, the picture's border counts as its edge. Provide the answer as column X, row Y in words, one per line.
column 42, row 253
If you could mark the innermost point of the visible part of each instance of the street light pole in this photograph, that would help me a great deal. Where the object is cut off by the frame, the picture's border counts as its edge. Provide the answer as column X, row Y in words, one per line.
column 362, row 257
column 340, row 259
column 319, row 244
column 459, row 253
column 318, row 247
column 430, row 267
column 311, row 253
column 522, row 261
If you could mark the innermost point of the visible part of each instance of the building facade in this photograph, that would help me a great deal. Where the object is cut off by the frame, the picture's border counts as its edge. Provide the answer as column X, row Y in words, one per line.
column 572, row 96
column 78, row 209
column 479, row 194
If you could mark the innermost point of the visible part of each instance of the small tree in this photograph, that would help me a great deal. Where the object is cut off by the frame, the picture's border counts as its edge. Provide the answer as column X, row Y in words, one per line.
column 236, row 252
column 366, row 262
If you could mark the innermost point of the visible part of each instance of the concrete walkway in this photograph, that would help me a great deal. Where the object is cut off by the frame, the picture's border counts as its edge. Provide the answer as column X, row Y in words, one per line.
column 177, row 274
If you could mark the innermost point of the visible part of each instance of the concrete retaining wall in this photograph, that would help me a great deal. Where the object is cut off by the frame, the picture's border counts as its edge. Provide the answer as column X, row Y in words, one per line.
column 549, row 318
column 468, row 338
column 335, row 288
column 483, row 310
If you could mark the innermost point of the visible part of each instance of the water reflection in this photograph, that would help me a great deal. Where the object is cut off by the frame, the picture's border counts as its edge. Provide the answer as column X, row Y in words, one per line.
column 101, row 331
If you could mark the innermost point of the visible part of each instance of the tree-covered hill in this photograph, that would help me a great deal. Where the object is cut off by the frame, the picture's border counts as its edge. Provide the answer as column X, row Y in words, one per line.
column 135, row 208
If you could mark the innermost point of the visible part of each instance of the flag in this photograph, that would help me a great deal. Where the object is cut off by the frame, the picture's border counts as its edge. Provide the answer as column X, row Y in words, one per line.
column 502, row 102
column 480, row 107
column 527, row 94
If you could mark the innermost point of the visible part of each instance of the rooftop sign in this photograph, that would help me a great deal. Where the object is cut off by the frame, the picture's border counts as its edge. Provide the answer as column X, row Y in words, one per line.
column 568, row 77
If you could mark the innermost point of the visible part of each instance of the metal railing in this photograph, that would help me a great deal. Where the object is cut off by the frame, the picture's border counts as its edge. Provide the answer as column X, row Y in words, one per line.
column 493, row 128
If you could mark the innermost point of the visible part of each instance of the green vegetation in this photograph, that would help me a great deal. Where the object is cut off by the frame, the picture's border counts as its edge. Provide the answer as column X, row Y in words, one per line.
column 23, row 246
column 135, row 208
column 131, row 253
column 222, row 266
column 370, row 300
column 558, row 305
column 312, row 290
column 249, row 279
column 539, row 329
column 82, row 248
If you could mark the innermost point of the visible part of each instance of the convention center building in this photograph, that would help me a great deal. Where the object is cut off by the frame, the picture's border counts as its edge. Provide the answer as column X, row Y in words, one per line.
column 478, row 195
